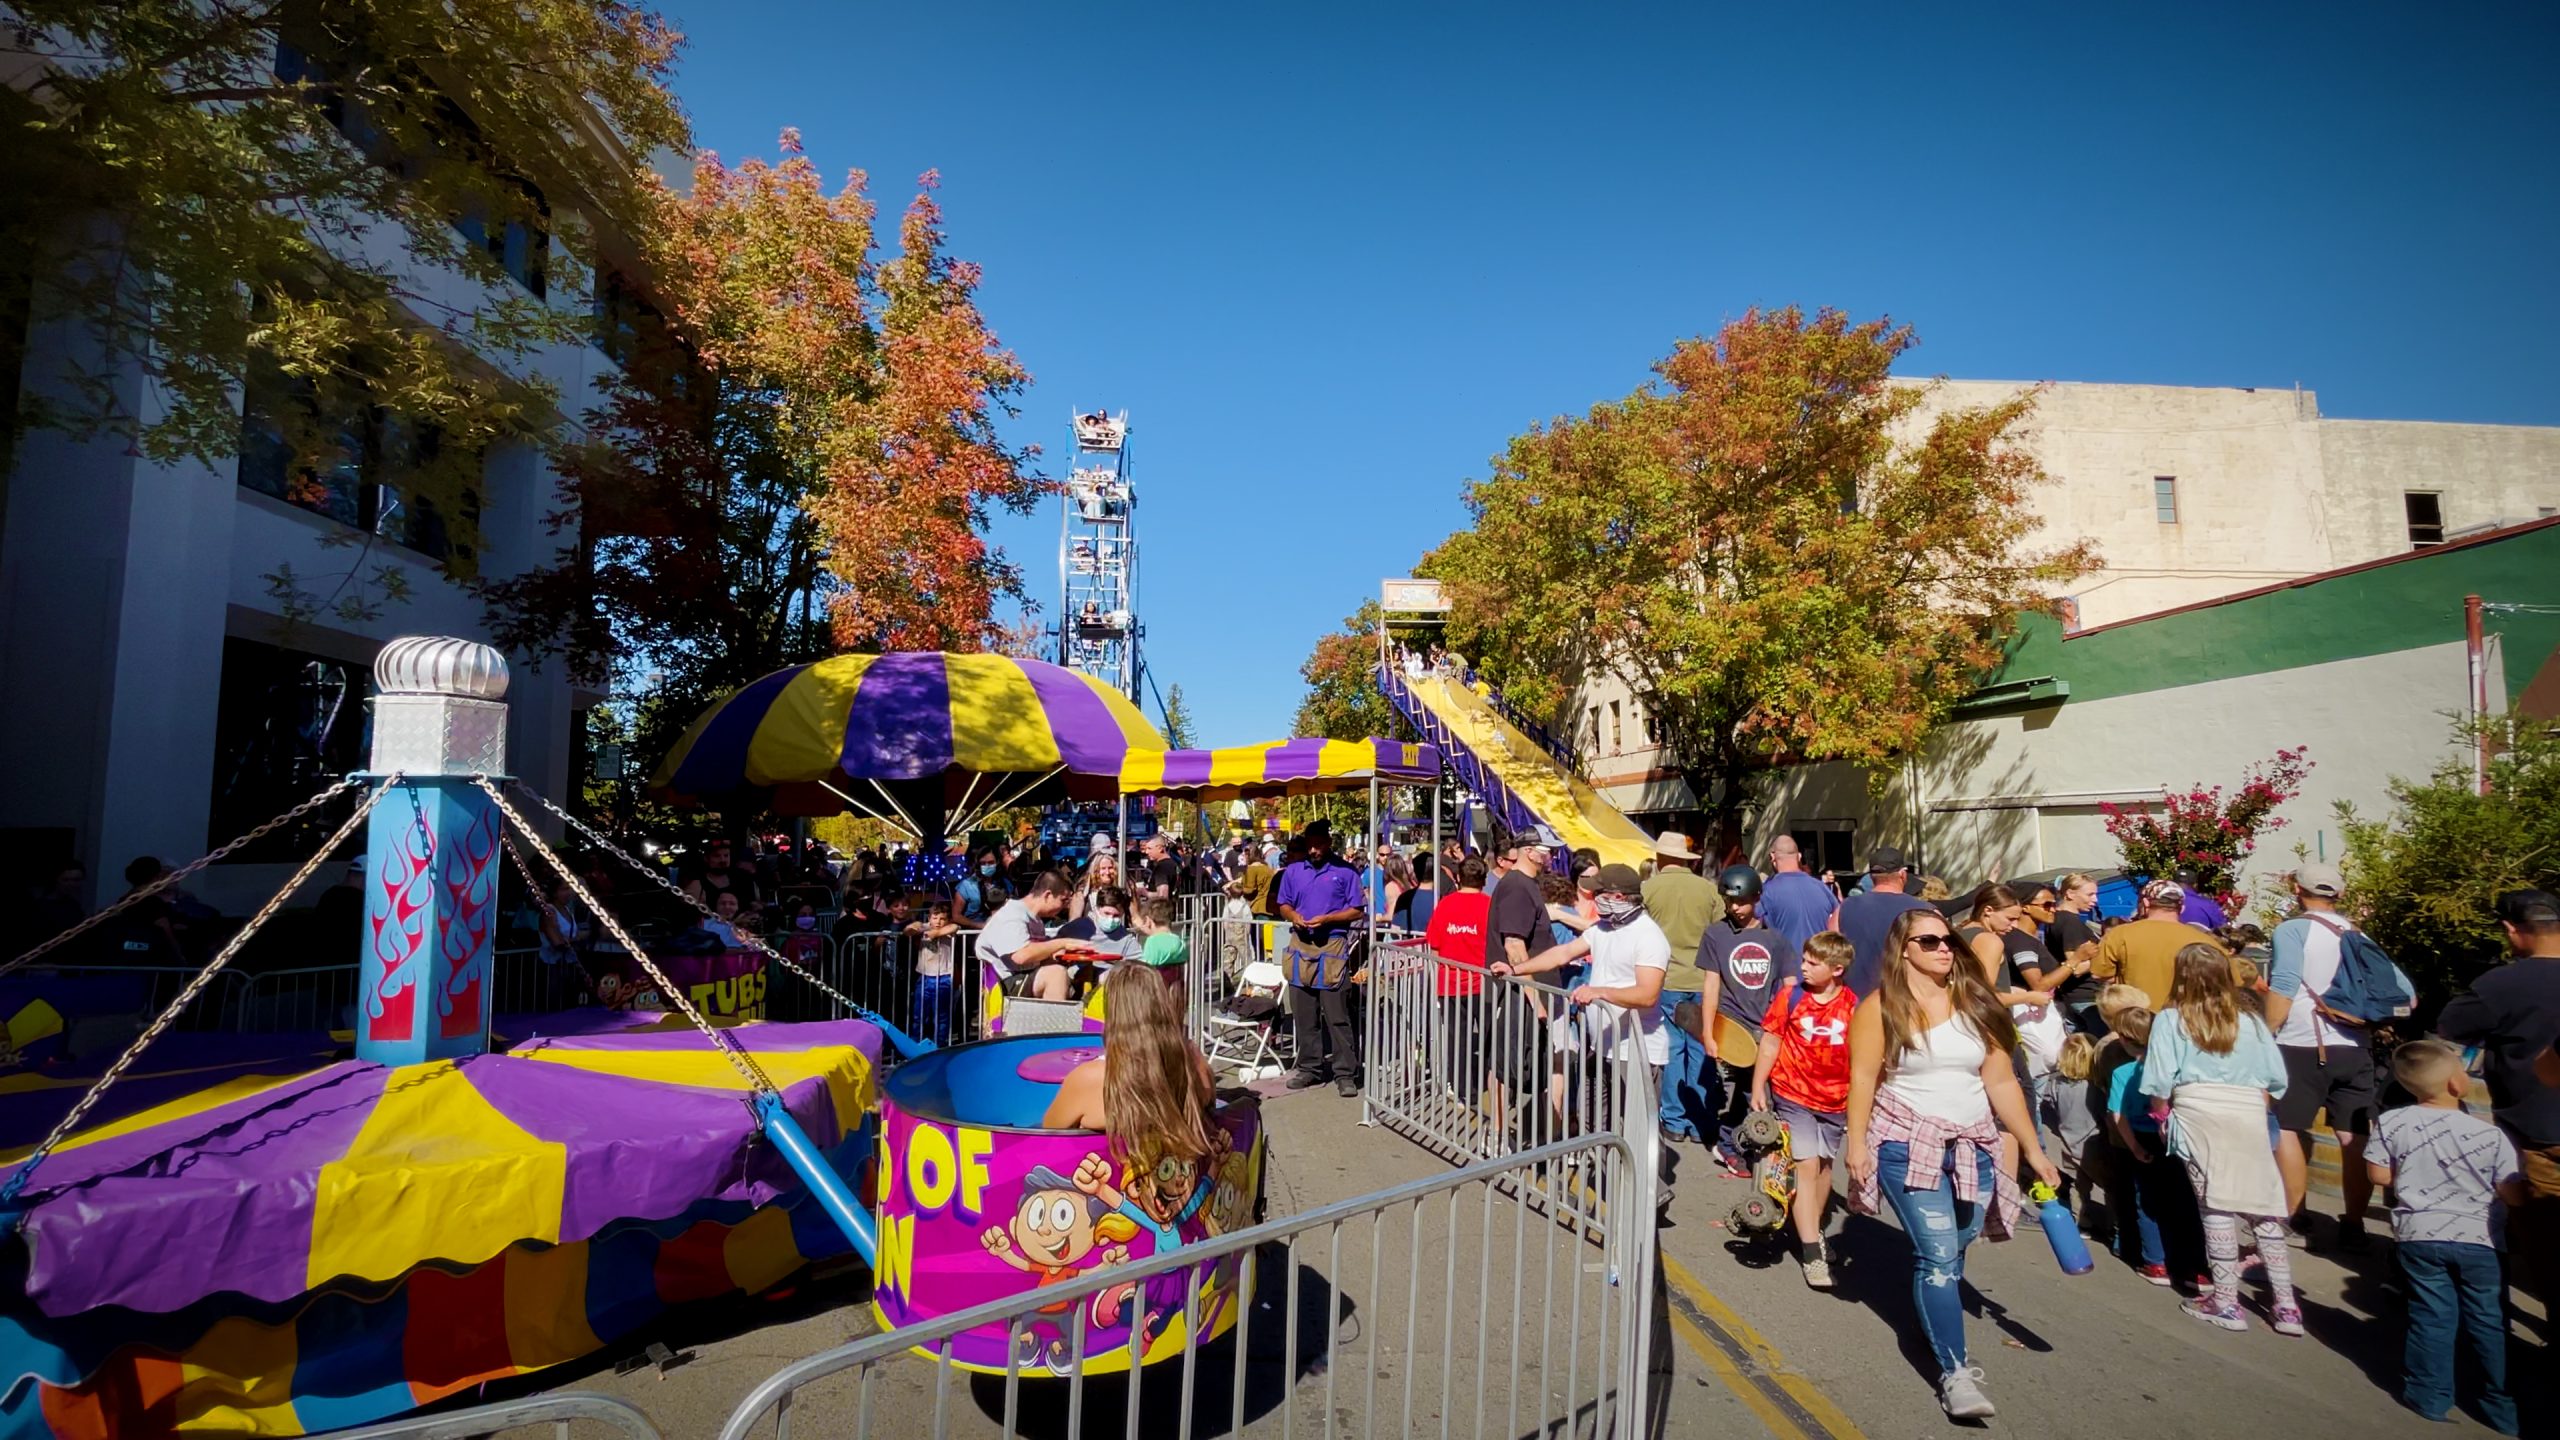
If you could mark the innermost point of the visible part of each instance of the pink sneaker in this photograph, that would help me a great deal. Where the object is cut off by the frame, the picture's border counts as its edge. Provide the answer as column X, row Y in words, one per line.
column 2287, row 1320
column 2225, row 1316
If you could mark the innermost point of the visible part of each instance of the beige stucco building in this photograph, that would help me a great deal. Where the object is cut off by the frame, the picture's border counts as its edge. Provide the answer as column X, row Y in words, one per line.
column 2192, row 494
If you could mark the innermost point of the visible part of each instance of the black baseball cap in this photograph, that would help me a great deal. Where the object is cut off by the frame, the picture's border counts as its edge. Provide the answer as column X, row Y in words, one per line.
column 1885, row 860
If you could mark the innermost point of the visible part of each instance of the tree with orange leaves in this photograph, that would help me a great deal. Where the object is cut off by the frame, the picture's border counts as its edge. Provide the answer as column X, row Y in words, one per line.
column 1764, row 547
column 797, row 457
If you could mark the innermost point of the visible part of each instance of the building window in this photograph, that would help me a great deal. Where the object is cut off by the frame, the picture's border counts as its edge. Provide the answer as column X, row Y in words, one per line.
column 1617, row 730
column 286, row 724
column 1825, row 846
column 363, row 479
column 2426, row 518
column 1594, row 744
column 2164, row 498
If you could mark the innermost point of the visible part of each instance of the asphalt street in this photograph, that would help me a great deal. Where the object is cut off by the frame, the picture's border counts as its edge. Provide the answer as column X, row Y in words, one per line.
column 1741, row 1347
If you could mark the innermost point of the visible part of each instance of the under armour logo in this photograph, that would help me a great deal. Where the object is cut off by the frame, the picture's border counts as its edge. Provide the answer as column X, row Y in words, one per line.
column 1829, row 1032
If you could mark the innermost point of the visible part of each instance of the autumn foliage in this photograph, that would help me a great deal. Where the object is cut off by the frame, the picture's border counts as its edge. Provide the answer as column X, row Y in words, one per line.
column 1764, row 545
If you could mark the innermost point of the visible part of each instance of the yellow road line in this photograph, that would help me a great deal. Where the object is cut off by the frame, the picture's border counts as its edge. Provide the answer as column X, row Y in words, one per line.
column 1789, row 1404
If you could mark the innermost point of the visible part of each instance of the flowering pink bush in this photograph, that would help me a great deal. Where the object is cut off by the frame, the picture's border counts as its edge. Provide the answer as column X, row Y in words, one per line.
column 2199, row 828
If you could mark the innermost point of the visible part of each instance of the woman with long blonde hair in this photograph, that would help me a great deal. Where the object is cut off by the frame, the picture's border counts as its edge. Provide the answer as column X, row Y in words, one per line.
column 1930, row 1091
column 2215, row 1072
column 1150, row 1092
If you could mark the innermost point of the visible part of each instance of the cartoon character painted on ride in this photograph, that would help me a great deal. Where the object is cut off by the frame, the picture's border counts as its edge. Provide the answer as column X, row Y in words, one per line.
column 1161, row 1198
column 1061, row 1223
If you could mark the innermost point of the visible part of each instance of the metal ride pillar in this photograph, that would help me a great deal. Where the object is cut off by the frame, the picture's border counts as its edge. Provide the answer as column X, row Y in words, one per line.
column 1098, row 629
column 432, row 852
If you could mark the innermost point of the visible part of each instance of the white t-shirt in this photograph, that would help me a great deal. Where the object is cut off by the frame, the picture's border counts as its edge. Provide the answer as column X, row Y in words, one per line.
column 2305, row 964
column 1616, row 956
column 1942, row 1074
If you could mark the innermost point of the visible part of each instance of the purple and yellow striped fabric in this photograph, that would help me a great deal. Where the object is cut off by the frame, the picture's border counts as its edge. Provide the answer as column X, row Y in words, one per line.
column 1280, row 767
column 906, row 716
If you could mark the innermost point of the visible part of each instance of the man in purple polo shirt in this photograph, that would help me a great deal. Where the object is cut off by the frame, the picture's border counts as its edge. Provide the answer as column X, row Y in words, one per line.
column 1320, row 899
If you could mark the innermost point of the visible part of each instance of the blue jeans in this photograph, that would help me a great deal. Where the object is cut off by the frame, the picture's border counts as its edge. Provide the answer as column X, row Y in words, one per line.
column 2455, row 1287
column 933, row 1009
column 1687, row 1108
column 1940, row 1226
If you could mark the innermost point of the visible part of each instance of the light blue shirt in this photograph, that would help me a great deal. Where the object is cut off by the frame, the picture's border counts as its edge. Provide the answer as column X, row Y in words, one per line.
column 2173, row 1058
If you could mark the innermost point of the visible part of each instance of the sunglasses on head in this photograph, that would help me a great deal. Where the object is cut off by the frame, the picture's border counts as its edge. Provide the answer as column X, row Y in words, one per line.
column 1933, row 942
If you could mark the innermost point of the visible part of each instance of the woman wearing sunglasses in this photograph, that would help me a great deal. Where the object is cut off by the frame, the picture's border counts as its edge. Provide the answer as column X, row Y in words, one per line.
column 1930, row 1090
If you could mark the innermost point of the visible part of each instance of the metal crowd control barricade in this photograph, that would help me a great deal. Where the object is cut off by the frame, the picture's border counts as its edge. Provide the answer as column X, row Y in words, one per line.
column 1475, row 1067
column 1442, row 1305
column 109, row 992
column 558, row 1411
column 879, row 970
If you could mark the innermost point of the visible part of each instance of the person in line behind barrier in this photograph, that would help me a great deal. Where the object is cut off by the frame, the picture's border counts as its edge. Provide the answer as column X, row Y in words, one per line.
column 1930, row 1089
column 1320, row 898
column 1629, row 956
column 1804, row 1064
column 935, row 935
column 1456, row 937
column 1159, row 949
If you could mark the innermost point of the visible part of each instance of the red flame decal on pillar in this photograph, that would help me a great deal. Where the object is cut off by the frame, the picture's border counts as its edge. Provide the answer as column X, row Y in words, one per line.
column 468, row 906
column 398, row 925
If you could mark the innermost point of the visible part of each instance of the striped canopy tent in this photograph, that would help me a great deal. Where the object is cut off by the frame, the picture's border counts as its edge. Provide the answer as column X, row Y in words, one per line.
column 927, row 742
column 1278, row 767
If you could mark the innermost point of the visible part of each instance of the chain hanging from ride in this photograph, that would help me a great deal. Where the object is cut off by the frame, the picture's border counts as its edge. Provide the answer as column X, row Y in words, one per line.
column 70, row 1121
column 739, row 1059
column 652, row 873
column 168, row 878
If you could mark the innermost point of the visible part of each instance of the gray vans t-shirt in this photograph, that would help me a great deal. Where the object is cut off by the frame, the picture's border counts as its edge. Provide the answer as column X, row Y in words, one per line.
column 2445, row 1167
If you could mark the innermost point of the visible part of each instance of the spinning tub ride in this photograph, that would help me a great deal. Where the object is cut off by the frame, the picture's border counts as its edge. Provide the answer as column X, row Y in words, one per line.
column 977, row 1202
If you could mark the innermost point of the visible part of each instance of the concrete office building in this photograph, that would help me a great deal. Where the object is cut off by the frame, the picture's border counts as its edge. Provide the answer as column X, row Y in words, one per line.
column 154, row 699
column 2192, row 494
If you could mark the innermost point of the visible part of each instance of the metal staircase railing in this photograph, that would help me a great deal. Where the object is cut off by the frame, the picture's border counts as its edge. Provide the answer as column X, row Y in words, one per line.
column 1461, row 759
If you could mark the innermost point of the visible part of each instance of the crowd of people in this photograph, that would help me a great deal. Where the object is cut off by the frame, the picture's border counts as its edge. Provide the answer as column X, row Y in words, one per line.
column 2167, row 1073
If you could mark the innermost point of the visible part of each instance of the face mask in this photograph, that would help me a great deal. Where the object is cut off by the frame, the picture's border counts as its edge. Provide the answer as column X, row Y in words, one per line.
column 1617, row 910
column 986, row 869
column 806, row 922
column 1108, row 924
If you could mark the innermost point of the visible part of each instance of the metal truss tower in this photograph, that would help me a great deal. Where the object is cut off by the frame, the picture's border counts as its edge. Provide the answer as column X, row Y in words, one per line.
column 1098, row 630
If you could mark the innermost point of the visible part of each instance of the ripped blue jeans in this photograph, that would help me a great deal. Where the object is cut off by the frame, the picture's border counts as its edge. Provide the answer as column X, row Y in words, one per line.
column 1940, row 1226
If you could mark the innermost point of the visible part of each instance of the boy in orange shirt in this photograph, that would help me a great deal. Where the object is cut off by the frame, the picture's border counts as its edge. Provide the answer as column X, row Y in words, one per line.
column 1804, row 1059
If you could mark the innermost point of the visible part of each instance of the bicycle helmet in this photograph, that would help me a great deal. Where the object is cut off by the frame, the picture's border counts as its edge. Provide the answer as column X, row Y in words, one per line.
column 1739, row 882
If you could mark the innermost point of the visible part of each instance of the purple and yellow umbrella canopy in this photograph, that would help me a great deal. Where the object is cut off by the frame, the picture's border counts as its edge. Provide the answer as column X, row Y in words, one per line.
column 271, row 1186
column 923, row 734
column 1280, row 767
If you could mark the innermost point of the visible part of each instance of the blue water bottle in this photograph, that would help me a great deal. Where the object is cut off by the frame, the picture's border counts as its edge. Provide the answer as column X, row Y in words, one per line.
column 2062, row 1231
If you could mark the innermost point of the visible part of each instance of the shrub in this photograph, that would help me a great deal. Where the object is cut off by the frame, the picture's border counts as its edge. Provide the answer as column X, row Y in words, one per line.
column 2421, row 882
column 2199, row 828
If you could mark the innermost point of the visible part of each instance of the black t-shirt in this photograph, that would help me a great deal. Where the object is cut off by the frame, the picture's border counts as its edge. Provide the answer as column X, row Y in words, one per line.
column 2513, row 1013
column 737, row 878
column 2070, row 931
column 1518, row 910
column 1164, row 874
column 2020, row 952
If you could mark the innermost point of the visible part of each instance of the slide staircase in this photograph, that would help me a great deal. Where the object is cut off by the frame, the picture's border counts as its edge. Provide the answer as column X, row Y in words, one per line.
column 1523, row 780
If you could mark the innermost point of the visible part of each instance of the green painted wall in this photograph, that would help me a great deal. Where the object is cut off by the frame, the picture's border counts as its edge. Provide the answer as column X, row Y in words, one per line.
column 2402, row 606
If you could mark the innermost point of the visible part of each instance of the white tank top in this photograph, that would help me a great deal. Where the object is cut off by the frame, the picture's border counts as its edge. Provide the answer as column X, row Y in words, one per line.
column 1942, row 1075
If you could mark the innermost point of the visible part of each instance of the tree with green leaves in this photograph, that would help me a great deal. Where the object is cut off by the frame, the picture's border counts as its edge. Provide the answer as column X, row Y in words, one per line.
column 277, row 196
column 1763, row 546
column 2422, row 880
column 1178, row 730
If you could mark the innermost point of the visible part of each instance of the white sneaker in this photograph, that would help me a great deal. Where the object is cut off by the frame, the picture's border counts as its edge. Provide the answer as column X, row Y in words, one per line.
column 1960, row 1395
column 1817, row 1272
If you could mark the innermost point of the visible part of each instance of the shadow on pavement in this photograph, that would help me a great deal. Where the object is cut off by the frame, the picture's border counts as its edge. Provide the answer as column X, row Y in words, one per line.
column 1267, row 1383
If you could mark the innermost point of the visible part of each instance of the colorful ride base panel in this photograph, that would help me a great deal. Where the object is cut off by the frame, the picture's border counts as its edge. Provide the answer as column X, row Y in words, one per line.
column 351, row 1356
column 977, row 1204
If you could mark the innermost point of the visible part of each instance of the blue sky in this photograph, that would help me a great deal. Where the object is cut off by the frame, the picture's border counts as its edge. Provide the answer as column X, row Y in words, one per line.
column 1330, row 258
